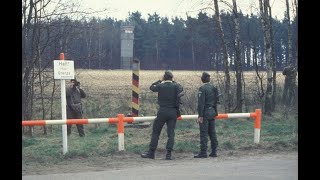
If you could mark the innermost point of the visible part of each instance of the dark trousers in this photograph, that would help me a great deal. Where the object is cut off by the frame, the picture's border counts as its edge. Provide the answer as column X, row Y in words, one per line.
column 164, row 116
column 208, row 127
column 79, row 127
column 75, row 115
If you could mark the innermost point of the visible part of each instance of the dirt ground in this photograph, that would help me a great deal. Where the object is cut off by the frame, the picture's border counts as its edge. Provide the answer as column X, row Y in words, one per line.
column 122, row 160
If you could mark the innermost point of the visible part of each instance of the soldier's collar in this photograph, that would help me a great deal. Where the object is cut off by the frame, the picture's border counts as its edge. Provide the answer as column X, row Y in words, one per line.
column 166, row 81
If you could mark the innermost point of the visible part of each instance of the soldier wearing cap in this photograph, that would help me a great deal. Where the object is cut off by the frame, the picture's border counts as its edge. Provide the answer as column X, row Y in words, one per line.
column 168, row 101
column 207, row 110
column 74, row 106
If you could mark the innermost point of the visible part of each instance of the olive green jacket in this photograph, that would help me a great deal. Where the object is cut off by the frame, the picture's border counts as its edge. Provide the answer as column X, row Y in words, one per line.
column 168, row 93
column 207, row 101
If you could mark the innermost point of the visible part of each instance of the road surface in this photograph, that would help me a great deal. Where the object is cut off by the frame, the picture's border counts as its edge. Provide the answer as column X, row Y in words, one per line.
column 263, row 167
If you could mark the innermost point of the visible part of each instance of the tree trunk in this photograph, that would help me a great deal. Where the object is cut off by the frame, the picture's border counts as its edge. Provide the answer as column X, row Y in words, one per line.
column 179, row 55
column 192, row 49
column 266, row 26
column 41, row 89
column 225, row 58
column 238, row 63
column 51, row 104
column 289, row 53
column 273, row 62
column 157, row 54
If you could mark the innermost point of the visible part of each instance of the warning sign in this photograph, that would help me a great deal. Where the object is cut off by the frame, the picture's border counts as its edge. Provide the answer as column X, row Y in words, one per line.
column 63, row 69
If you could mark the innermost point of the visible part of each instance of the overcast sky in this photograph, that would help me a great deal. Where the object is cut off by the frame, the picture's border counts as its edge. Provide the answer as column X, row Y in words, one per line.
column 170, row 8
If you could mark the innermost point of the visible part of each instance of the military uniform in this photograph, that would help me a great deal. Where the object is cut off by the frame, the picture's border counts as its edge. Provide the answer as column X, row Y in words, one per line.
column 179, row 95
column 289, row 84
column 168, row 101
column 74, row 107
column 207, row 102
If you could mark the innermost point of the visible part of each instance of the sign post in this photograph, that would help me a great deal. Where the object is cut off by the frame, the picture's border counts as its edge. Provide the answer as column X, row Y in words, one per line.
column 63, row 70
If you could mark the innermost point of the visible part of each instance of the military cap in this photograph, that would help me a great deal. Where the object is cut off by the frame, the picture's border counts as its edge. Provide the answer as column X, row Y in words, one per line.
column 168, row 74
column 205, row 74
column 75, row 80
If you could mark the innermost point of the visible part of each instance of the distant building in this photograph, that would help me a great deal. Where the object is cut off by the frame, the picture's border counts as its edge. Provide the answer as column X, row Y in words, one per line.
column 127, row 37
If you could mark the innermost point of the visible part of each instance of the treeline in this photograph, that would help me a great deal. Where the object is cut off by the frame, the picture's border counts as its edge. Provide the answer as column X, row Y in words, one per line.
column 159, row 43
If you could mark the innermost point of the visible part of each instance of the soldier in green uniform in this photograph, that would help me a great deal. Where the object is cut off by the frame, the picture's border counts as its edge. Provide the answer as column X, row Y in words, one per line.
column 168, row 101
column 74, row 106
column 207, row 110
column 289, row 84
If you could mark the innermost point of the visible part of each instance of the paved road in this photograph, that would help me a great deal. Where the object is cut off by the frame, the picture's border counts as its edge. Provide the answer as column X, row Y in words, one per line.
column 266, row 167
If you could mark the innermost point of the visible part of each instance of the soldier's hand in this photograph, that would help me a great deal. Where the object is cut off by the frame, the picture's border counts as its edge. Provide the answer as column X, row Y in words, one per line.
column 161, row 78
column 200, row 120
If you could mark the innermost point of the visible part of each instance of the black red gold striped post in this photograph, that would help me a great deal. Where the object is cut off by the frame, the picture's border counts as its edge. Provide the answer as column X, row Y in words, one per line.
column 135, row 87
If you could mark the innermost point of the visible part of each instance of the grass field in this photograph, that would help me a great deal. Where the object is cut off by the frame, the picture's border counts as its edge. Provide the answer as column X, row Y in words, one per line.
column 235, row 137
column 109, row 93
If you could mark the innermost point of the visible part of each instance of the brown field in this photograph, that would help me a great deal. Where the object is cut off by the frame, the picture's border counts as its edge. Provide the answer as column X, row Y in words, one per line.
column 120, row 81
column 110, row 91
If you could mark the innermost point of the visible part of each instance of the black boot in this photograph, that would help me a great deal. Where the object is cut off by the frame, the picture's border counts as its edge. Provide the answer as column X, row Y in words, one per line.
column 213, row 154
column 201, row 155
column 148, row 154
column 168, row 156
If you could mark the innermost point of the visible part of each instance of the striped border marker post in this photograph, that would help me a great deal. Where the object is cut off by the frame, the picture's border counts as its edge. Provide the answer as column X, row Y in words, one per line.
column 135, row 88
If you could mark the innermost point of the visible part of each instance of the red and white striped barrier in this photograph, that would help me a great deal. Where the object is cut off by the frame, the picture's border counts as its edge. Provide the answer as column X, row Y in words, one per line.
column 121, row 119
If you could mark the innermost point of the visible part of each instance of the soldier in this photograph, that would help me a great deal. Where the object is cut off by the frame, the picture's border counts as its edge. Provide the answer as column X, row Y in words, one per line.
column 168, row 101
column 289, row 83
column 74, row 106
column 207, row 110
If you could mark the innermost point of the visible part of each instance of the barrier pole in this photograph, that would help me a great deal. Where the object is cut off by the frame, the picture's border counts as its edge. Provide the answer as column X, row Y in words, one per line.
column 120, row 132
column 64, row 111
column 257, row 126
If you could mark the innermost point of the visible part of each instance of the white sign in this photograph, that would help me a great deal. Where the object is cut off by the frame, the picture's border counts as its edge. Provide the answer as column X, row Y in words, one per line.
column 63, row 69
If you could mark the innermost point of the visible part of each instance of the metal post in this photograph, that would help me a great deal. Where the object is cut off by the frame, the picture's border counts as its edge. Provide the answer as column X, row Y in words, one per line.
column 64, row 111
column 120, row 132
column 257, row 126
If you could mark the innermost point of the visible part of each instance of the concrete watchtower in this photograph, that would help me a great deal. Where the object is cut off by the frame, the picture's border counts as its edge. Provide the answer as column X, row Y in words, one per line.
column 126, row 37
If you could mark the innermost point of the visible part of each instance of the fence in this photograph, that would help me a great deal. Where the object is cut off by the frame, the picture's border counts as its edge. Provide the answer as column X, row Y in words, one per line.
column 121, row 119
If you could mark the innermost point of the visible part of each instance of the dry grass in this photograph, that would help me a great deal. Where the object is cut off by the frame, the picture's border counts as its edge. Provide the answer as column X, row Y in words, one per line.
column 109, row 91
column 120, row 81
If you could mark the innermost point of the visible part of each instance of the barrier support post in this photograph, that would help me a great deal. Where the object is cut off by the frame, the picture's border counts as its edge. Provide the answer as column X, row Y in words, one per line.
column 257, row 126
column 120, row 132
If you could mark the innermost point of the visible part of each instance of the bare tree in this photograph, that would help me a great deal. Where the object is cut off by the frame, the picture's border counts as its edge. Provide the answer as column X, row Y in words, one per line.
column 225, row 58
column 238, row 62
column 289, row 52
column 38, row 34
column 265, row 12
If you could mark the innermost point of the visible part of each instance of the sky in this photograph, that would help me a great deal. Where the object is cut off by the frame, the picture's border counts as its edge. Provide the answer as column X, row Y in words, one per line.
column 120, row 9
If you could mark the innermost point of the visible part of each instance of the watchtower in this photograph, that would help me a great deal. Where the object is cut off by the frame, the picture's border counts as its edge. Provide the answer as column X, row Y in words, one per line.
column 126, row 37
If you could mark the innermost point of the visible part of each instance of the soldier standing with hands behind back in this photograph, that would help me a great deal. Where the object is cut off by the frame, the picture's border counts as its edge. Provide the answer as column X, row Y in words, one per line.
column 207, row 110
column 74, row 106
